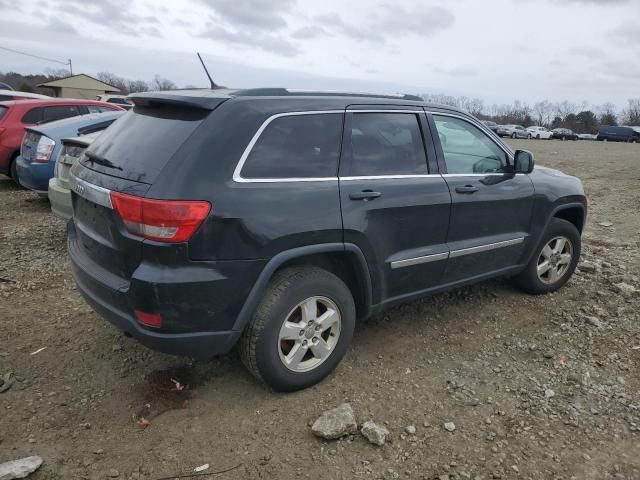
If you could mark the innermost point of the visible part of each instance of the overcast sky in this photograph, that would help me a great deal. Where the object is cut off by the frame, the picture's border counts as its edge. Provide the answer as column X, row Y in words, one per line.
column 498, row 50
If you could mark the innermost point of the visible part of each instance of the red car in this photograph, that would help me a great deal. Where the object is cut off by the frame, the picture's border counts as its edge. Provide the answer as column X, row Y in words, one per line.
column 15, row 115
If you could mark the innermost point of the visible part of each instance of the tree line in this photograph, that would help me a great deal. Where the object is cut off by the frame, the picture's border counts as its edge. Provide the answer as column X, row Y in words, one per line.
column 581, row 118
column 29, row 83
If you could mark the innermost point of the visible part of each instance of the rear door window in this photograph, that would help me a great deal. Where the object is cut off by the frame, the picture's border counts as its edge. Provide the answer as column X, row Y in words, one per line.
column 33, row 116
column 386, row 144
column 3, row 111
column 59, row 112
column 297, row 146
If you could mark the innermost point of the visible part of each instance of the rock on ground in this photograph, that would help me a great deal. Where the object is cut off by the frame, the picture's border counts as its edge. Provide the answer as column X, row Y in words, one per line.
column 336, row 423
column 449, row 426
column 19, row 468
column 375, row 433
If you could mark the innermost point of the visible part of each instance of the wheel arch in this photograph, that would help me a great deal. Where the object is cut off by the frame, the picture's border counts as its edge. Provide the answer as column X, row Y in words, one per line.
column 343, row 260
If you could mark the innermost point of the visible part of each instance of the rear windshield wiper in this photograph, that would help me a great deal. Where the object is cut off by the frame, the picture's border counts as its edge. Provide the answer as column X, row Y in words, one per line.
column 93, row 158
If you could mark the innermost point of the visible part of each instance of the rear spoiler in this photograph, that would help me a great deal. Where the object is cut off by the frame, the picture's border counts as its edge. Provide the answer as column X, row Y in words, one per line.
column 206, row 100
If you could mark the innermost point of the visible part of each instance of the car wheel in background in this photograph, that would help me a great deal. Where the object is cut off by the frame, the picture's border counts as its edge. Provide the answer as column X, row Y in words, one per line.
column 529, row 136
column 13, row 170
column 513, row 135
column 554, row 261
column 538, row 137
column 301, row 329
column 564, row 138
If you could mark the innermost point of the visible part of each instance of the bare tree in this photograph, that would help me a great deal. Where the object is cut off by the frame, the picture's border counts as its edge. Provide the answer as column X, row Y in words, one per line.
column 113, row 79
column 134, row 86
column 608, row 114
column 631, row 114
column 159, row 83
column 543, row 112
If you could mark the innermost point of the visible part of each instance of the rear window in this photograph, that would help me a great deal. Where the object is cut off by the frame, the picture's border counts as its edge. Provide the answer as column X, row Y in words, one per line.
column 297, row 146
column 51, row 114
column 3, row 111
column 139, row 144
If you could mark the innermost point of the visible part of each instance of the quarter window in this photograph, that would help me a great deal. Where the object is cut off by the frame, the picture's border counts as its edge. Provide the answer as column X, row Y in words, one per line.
column 387, row 144
column 467, row 149
column 33, row 116
column 297, row 146
column 62, row 111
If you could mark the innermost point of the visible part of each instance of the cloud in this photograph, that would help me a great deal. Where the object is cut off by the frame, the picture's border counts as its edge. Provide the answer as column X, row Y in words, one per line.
column 390, row 21
column 115, row 14
column 587, row 52
column 459, row 71
column 627, row 34
column 264, row 41
column 255, row 14
column 599, row 3
column 309, row 33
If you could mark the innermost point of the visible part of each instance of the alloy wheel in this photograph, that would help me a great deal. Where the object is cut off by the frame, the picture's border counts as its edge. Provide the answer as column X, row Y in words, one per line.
column 309, row 334
column 554, row 260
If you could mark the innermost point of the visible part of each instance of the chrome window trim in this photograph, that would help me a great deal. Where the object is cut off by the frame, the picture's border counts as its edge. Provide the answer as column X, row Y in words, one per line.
column 237, row 173
column 482, row 128
column 418, row 111
column 91, row 192
column 485, row 248
column 409, row 262
column 490, row 174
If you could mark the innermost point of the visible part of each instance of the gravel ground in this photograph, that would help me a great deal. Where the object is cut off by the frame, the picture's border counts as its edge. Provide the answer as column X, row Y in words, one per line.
column 536, row 387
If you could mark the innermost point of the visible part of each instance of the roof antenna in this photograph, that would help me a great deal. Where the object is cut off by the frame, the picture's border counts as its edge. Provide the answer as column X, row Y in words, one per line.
column 213, row 84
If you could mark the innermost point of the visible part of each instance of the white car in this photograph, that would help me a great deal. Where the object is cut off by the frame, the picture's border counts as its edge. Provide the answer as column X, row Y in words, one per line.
column 120, row 100
column 15, row 95
column 540, row 133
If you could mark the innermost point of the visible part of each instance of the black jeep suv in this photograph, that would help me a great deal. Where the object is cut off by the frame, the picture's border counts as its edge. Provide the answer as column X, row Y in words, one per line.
column 276, row 218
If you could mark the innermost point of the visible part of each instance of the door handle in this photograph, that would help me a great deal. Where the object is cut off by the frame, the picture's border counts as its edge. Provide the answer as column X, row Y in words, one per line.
column 467, row 189
column 364, row 195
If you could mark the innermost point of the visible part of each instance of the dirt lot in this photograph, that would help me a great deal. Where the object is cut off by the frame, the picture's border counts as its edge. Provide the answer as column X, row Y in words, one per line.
column 537, row 387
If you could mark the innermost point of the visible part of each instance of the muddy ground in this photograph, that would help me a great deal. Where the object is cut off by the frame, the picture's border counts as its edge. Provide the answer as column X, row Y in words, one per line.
column 537, row 387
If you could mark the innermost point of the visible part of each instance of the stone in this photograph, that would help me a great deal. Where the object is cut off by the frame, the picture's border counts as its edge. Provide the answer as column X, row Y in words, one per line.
column 624, row 289
column 113, row 473
column 19, row 468
column 411, row 430
column 374, row 433
column 449, row 426
column 605, row 223
column 588, row 267
column 593, row 321
column 548, row 393
column 335, row 423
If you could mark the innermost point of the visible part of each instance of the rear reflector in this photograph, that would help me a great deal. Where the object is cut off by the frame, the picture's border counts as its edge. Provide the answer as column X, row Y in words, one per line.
column 149, row 319
column 172, row 221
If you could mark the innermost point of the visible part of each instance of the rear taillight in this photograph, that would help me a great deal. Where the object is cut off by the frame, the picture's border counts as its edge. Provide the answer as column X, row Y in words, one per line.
column 171, row 221
column 44, row 150
column 149, row 319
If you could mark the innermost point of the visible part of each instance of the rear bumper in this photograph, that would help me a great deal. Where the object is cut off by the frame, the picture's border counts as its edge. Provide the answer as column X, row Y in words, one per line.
column 60, row 199
column 198, row 301
column 34, row 176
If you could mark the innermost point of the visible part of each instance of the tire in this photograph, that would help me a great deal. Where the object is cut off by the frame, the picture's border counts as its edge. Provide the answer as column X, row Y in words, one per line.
column 263, row 349
column 538, row 137
column 530, row 281
column 564, row 138
column 529, row 137
column 513, row 135
column 13, row 170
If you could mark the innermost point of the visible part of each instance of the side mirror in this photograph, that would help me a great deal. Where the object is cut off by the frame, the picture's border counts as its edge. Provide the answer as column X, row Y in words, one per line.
column 523, row 162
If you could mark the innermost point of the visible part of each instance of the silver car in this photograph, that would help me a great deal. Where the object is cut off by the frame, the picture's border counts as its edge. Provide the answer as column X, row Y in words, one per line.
column 513, row 131
column 59, row 193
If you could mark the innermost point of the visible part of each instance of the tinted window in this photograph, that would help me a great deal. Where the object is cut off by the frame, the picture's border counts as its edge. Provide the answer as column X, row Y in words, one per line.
column 297, row 146
column 466, row 148
column 3, row 111
column 4, row 98
column 140, row 144
column 33, row 116
column 120, row 101
column 387, row 144
column 97, row 109
column 58, row 112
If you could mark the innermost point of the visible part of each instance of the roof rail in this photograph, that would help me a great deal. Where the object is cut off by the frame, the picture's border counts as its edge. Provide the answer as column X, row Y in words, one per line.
column 285, row 92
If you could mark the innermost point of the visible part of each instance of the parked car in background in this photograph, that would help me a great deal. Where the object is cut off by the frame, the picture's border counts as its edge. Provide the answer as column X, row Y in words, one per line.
column 16, row 115
column 278, row 246
column 513, row 131
column 493, row 126
column 539, row 133
column 120, row 100
column 70, row 153
column 41, row 145
column 587, row 136
column 564, row 134
column 607, row 133
column 6, row 95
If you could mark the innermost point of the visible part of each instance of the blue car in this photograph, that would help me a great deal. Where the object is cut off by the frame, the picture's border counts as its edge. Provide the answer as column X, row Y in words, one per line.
column 41, row 144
